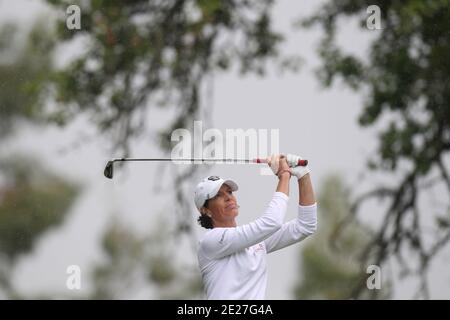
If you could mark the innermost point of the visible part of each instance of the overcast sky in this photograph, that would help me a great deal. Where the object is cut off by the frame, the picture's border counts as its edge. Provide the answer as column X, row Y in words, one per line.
column 316, row 124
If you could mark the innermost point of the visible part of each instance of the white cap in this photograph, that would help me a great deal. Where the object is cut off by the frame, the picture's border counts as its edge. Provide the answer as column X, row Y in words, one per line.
column 208, row 189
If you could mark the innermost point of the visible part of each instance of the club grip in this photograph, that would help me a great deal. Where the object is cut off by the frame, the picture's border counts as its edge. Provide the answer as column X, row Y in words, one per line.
column 302, row 162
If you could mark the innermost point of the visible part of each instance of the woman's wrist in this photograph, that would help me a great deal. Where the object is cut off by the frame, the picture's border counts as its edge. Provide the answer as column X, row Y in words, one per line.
column 283, row 181
column 284, row 173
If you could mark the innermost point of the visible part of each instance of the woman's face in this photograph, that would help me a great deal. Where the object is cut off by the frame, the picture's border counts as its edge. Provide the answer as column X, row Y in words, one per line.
column 223, row 207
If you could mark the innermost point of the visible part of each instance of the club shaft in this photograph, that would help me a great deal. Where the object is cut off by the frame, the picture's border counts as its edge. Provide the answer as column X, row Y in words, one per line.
column 257, row 160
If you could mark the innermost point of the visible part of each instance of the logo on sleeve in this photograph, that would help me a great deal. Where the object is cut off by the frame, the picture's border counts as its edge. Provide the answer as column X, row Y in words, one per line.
column 258, row 247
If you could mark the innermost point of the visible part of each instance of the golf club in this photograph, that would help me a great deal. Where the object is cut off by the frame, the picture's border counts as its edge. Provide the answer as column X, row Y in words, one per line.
column 109, row 166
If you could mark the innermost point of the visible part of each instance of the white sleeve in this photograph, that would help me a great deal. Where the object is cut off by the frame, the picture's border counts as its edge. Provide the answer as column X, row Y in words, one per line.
column 220, row 242
column 295, row 230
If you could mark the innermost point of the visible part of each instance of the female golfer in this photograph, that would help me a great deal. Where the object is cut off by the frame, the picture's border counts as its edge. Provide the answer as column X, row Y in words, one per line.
column 232, row 259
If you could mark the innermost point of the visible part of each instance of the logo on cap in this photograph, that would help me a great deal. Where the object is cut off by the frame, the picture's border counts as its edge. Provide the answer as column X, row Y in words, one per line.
column 213, row 178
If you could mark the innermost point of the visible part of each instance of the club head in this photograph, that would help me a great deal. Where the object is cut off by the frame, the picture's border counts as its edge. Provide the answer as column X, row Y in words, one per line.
column 109, row 170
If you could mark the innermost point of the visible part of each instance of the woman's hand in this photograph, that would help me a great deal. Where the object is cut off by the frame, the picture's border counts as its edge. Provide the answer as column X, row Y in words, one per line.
column 296, row 170
column 279, row 165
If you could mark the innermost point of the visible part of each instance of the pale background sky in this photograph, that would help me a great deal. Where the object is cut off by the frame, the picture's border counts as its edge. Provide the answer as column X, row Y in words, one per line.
column 316, row 124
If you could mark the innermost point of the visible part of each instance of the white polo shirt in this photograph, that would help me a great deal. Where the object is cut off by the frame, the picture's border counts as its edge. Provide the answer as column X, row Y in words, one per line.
column 232, row 261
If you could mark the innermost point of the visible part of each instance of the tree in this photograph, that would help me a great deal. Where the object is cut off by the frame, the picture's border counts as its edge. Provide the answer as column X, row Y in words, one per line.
column 406, row 79
column 135, row 263
column 329, row 264
column 140, row 54
column 33, row 200
column 25, row 70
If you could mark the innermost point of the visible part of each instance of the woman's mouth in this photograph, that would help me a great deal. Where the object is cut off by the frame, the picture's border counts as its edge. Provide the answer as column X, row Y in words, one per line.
column 231, row 206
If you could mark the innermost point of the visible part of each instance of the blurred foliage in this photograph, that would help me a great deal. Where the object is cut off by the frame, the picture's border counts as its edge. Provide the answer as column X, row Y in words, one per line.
column 135, row 263
column 329, row 265
column 32, row 199
column 143, row 53
column 24, row 73
column 32, row 202
column 407, row 74
column 405, row 79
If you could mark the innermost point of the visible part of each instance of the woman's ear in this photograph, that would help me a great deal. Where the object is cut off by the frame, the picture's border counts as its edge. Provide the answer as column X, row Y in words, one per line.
column 205, row 211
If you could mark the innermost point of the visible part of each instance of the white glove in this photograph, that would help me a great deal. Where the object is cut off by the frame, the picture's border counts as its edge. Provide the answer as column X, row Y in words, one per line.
column 296, row 170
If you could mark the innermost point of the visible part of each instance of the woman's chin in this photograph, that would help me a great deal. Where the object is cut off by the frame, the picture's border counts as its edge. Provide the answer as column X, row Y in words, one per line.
column 233, row 211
